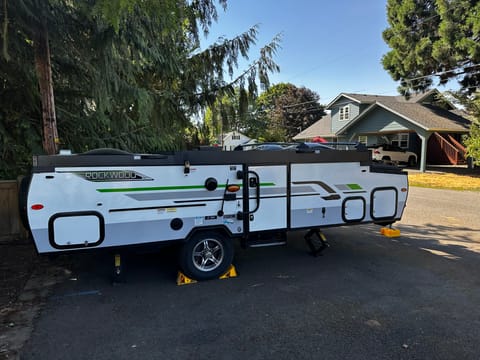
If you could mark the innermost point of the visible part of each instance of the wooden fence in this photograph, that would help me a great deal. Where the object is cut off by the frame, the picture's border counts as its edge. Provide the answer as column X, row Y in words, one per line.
column 10, row 225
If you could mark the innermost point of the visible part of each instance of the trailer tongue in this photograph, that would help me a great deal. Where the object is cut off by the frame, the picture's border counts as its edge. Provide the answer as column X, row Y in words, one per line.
column 205, row 199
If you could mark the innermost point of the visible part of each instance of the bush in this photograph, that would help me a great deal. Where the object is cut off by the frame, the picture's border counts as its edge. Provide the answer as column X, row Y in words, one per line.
column 472, row 142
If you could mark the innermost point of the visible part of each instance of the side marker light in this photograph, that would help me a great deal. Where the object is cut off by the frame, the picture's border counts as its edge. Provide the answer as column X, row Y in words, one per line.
column 233, row 188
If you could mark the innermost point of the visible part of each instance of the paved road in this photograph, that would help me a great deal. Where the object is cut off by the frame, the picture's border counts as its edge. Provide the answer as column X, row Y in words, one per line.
column 368, row 297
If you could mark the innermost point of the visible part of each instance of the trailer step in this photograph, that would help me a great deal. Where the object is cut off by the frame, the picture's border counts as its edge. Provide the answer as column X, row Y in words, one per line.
column 257, row 244
column 266, row 239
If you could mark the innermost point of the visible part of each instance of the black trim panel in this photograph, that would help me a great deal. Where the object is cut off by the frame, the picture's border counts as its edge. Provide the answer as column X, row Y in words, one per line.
column 51, row 233
column 156, row 207
column 300, row 195
column 197, row 200
column 332, row 197
column 386, row 169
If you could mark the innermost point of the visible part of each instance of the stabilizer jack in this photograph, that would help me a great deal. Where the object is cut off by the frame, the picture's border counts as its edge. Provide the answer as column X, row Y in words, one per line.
column 316, row 244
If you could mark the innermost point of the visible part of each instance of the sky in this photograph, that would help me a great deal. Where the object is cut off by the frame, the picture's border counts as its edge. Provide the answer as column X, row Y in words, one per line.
column 329, row 47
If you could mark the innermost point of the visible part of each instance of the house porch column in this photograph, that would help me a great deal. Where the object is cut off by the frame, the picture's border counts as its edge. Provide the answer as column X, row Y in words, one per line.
column 423, row 153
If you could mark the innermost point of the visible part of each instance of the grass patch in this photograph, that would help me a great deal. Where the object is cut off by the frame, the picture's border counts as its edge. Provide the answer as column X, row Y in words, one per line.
column 445, row 181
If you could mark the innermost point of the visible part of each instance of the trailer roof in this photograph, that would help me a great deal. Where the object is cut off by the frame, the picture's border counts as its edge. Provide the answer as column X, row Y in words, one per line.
column 199, row 157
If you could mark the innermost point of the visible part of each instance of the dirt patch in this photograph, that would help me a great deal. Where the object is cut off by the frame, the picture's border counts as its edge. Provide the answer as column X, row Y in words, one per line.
column 25, row 281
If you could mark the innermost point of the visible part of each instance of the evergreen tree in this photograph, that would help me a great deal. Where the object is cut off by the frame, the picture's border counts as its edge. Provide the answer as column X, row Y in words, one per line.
column 436, row 39
column 125, row 73
column 472, row 142
column 234, row 112
column 471, row 103
column 433, row 39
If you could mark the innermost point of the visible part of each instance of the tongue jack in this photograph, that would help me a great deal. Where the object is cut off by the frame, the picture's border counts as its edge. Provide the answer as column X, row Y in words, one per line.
column 220, row 212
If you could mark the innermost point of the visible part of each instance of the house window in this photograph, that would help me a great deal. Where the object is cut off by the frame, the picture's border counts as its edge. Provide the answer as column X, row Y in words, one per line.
column 362, row 139
column 235, row 137
column 345, row 112
column 401, row 140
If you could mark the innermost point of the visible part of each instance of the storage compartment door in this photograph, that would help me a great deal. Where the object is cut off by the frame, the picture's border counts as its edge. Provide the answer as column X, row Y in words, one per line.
column 384, row 203
column 353, row 209
column 76, row 229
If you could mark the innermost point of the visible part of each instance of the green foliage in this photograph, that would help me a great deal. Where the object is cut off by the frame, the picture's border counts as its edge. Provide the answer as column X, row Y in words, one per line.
column 470, row 102
column 285, row 110
column 20, row 126
column 127, row 74
column 433, row 39
column 278, row 114
column 233, row 112
column 199, row 134
column 472, row 142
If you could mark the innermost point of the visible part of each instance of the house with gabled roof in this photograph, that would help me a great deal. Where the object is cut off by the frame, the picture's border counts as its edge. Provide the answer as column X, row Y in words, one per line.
column 232, row 139
column 426, row 124
column 322, row 126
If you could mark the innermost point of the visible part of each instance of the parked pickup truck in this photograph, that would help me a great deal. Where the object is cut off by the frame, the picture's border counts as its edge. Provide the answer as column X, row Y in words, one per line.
column 393, row 154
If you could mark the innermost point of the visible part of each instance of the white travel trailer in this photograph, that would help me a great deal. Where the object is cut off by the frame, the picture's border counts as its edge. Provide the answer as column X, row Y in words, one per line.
column 204, row 199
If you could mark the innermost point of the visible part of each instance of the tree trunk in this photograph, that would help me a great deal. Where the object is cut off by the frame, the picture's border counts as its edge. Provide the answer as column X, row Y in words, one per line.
column 43, row 68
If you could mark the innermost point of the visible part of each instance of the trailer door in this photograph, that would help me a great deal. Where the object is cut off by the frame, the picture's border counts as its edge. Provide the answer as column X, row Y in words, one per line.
column 267, row 194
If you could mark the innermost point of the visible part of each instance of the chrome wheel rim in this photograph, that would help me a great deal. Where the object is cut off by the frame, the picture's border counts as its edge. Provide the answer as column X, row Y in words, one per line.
column 207, row 255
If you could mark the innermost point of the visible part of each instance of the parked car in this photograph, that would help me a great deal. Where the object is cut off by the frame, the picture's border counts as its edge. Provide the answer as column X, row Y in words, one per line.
column 269, row 147
column 393, row 154
column 298, row 147
column 309, row 147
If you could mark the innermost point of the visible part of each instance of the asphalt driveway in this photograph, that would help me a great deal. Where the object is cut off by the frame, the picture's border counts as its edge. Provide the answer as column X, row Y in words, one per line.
column 367, row 297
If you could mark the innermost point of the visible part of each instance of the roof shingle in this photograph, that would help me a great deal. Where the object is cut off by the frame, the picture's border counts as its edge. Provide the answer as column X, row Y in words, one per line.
column 322, row 127
column 429, row 117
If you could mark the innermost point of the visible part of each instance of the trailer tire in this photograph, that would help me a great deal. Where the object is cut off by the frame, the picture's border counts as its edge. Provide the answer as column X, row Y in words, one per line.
column 206, row 255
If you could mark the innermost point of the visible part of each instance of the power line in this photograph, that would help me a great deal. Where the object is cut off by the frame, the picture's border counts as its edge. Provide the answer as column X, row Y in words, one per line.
column 444, row 73
column 298, row 104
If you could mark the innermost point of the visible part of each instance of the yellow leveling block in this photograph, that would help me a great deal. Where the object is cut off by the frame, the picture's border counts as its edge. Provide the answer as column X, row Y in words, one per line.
column 183, row 279
column 389, row 232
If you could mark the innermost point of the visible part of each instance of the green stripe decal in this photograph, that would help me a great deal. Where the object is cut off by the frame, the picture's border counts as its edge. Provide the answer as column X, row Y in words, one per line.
column 267, row 184
column 168, row 188
column 157, row 188
column 354, row 186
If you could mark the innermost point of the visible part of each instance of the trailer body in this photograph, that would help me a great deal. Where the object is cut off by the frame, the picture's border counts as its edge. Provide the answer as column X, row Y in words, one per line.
column 110, row 200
